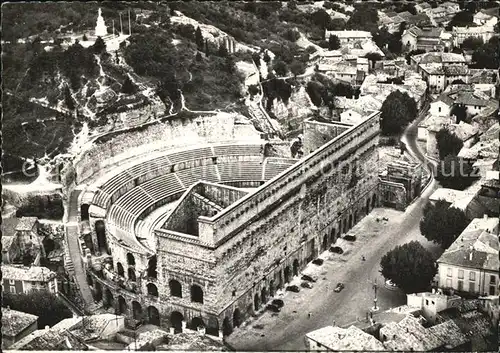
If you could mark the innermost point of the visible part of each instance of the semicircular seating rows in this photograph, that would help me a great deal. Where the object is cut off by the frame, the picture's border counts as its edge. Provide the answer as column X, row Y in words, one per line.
column 138, row 190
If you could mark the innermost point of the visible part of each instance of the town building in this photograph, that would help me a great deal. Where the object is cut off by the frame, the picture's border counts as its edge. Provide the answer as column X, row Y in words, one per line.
column 422, row 7
column 16, row 325
column 348, row 36
column 462, row 33
column 471, row 263
column 49, row 339
column 428, row 39
column 334, row 338
column 438, row 76
column 22, row 279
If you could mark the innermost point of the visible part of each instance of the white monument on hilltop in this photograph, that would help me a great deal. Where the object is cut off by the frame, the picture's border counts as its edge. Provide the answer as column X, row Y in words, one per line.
column 100, row 29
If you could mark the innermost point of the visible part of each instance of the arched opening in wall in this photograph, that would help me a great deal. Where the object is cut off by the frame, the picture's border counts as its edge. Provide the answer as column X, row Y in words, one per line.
column 287, row 274
column 100, row 230
column 226, row 327
column 340, row 227
column 350, row 221
column 131, row 275
column 119, row 269
column 108, row 299
column 312, row 250
column 236, row 318
column 122, row 305
column 324, row 244
column 98, row 292
column 295, row 267
column 84, row 212
column 374, row 201
column 196, row 322
column 213, row 327
column 367, row 206
column 175, row 288
column 153, row 316
column 256, row 302
column 87, row 239
column 263, row 295
column 136, row 310
column 345, row 226
column 176, row 319
column 355, row 216
column 90, row 281
column 152, row 289
column 152, row 273
column 272, row 290
column 130, row 259
column 332, row 235
column 196, row 294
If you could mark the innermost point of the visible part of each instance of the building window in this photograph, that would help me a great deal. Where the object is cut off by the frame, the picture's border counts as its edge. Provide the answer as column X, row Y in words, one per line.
column 12, row 282
column 448, row 282
column 492, row 290
column 461, row 274
column 13, row 290
column 426, row 302
column 472, row 276
column 493, row 279
column 460, row 285
column 439, row 109
column 449, row 273
column 472, row 287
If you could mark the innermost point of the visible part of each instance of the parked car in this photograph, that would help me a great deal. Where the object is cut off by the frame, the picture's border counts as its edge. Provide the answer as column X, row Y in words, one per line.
column 310, row 278
column 278, row 302
column 318, row 261
column 273, row 308
column 336, row 249
column 350, row 237
column 339, row 287
column 306, row 284
column 293, row 288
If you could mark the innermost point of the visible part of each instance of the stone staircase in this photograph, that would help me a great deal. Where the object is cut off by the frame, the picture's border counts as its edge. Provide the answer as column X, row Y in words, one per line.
column 68, row 263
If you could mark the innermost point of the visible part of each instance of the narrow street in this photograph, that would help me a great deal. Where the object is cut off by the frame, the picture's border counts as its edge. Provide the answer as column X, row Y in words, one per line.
column 74, row 249
column 286, row 330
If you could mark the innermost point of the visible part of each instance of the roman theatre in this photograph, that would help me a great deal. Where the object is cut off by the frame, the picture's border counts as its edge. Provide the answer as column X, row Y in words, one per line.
column 198, row 221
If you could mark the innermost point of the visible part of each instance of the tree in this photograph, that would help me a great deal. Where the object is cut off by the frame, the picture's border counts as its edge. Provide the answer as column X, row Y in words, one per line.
column 84, row 38
column 333, row 42
column 207, row 48
column 253, row 89
column 442, row 224
column 397, row 111
column 337, row 24
column 321, row 18
column 47, row 306
column 267, row 58
column 486, row 56
column 128, row 86
column 199, row 38
column 459, row 111
column 256, row 59
column 448, row 143
column 461, row 19
column 198, row 57
column 409, row 266
column 455, row 173
column 222, row 50
column 364, row 18
column 280, row 68
column 472, row 43
column 291, row 35
column 99, row 46
column 373, row 57
column 297, row 67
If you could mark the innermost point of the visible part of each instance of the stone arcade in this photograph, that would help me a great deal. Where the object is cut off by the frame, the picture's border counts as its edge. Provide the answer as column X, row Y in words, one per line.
column 222, row 251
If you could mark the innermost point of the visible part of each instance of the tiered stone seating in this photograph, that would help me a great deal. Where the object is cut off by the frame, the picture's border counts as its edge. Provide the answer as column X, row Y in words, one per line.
column 241, row 171
column 204, row 152
column 162, row 187
column 238, row 150
column 192, row 175
column 274, row 166
column 120, row 217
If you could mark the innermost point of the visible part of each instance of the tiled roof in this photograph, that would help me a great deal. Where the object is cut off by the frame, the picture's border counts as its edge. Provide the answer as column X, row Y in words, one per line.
column 471, row 30
column 431, row 32
column 350, row 339
column 449, row 333
column 7, row 242
column 470, row 98
column 405, row 15
column 433, row 68
column 14, row 322
column 26, row 223
column 409, row 335
column 463, row 130
column 452, row 57
column 192, row 342
column 455, row 70
column 49, row 340
column 477, row 246
column 350, row 34
column 9, row 226
column 30, row 274
column 424, row 5
column 482, row 75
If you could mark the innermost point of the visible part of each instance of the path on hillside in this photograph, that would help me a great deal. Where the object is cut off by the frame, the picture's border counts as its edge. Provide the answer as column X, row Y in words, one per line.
column 72, row 240
column 287, row 330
